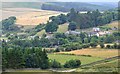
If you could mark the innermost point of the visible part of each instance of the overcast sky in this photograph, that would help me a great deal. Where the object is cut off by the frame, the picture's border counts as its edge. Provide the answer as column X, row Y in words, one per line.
column 61, row 0
column 91, row 0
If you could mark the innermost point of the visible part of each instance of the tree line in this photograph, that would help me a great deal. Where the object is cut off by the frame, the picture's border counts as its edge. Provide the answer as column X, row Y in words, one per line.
column 78, row 20
column 18, row 58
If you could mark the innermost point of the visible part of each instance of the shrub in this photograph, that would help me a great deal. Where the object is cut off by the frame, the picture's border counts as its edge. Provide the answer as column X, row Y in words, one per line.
column 55, row 64
column 93, row 44
column 108, row 46
column 72, row 64
column 102, row 45
column 85, row 46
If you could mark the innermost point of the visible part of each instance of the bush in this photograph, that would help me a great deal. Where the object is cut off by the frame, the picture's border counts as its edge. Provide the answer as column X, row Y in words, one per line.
column 72, row 64
column 93, row 44
column 85, row 46
column 55, row 64
column 102, row 45
column 108, row 46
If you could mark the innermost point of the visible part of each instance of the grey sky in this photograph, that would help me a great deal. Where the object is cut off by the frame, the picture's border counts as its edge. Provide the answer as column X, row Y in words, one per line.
column 60, row 0
column 90, row 0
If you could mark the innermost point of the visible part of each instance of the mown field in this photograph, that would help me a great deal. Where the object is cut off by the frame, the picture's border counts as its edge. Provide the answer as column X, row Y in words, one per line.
column 95, row 52
column 28, row 16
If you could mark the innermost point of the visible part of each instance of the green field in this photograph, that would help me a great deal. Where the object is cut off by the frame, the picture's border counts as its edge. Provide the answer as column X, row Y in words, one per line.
column 111, row 66
column 63, row 28
column 41, row 33
column 63, row 58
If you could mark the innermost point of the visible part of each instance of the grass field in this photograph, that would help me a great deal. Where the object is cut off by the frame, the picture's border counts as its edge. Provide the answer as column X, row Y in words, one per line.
column 41, row 33
column 112, row 66
column 63, row 28
column 95, row 52
column 112, row 25
column 63, row 58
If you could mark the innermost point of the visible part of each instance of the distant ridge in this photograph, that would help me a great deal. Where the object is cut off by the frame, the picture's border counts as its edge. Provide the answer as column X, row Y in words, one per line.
column 60, row 6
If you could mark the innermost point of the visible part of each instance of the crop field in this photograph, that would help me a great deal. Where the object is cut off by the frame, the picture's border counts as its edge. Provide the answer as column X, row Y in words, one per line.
column 62, row 58
column 28, row 16
column 95, row 52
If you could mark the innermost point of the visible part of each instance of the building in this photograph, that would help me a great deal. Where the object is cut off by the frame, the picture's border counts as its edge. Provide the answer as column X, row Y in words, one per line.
column 72, row 32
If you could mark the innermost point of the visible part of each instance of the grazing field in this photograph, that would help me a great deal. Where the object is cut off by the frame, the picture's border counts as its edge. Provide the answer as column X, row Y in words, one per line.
column 102, row 67
column 95, row 52
column 112, row 25
column 41, row 33
column 63, row 28
column 63, row 58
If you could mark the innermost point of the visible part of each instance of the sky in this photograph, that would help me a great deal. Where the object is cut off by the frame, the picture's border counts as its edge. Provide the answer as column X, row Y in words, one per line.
column 91, row 0
column 61, row 0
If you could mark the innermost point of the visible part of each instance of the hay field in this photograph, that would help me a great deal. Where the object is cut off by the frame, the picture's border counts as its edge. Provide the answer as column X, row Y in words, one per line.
column 28, row 16
column 95, row 52
column 7, row 12
column 36, row 17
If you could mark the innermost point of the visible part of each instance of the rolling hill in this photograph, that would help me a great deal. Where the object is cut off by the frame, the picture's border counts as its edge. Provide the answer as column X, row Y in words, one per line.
column 60, row 6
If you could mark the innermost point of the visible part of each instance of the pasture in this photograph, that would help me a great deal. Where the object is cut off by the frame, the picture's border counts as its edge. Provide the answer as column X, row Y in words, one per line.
column 62, row 58
column 63, row 28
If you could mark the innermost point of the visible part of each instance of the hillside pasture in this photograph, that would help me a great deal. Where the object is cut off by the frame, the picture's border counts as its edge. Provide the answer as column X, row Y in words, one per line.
column 62, row 58
column 63, row 28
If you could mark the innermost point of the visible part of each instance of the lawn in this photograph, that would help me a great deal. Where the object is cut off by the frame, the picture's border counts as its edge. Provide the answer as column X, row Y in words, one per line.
column 63, row 28
column 63, row 58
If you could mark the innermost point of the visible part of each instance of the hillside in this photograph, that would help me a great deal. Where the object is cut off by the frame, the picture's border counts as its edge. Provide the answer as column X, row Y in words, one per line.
column 79, row 6
column 28, row 16
column 60, row 6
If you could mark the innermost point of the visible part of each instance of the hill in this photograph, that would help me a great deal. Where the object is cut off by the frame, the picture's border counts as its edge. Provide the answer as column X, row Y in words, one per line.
column 60, row 6
column 79, row 6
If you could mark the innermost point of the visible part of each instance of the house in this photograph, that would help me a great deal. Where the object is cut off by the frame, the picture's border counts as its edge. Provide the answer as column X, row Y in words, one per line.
column 72, row 32
column 93, row 34
column 95, row 29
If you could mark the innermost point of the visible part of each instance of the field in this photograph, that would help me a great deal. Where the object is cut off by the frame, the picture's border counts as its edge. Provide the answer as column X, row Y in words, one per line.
column 41, row 33
column 111, row 66
column 28, row 16
column 95, row 52
column 62, row 58
column 63, row 28
column 112, row 25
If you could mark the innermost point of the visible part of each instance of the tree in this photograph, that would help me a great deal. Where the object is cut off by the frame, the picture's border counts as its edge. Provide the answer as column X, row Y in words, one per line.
column 51, row 27
column 85, row 40
column 109, row 39
column 72, row 26
column 44, row 60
